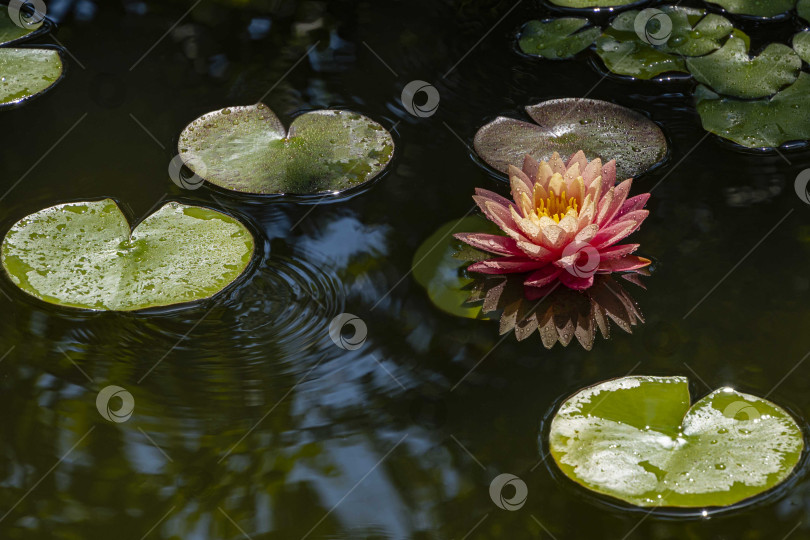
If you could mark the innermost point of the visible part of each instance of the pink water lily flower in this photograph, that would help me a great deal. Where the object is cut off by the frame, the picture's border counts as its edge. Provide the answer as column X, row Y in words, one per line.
column 564, row 223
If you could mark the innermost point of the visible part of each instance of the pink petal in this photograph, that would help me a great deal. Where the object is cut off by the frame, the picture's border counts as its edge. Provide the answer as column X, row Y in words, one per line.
column 506, row 265
column 619, row 196
column 608, row 175
column 620, row 229
column 493, row 243
column 633, row 203
column 542, row 277
column 625, row 264
column 515, row 172
column 530, row 167
column 592, row 171
column 577, row 283
column 617, row 252
column 580, row 158
column 492, row 196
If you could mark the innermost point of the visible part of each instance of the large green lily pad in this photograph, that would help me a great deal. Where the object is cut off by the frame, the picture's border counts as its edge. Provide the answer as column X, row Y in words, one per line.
column 599, row 128
column 801, row 44
column 638, row 440
column 733, row 72
column 84, row 255
column 765, row 123
column 755, row 8
column 646, row 44
column 247, row 149
column 26, row 73
column 437, row 269
column 558, row 38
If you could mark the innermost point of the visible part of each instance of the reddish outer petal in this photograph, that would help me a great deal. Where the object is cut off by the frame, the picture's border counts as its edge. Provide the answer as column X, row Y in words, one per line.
column 542, row 277
column 633, row 203
column 493, row 243
column 580, row 158
column 625, row 264
column 506, row 265
column 500, row 216
column 619, row 229
column 619, row 196
column 492, row 196
column 608, row 175
column 617, row 252
column 577, row 283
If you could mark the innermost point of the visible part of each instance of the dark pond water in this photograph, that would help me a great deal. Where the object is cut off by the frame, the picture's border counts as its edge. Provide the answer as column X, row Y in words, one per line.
column 248, row 420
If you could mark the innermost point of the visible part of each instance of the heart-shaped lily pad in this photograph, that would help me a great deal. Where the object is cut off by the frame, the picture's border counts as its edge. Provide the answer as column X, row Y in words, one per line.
column 558, row 38
column 803, row 9
column 755, row 8
column 247, row 149
column 765, row 123
column 599, row 128
column 801, row 44
column 27, row 73
column 645, row 44
column 84, row 255
column 637, row 439
column 436, row 268
column 733, row 72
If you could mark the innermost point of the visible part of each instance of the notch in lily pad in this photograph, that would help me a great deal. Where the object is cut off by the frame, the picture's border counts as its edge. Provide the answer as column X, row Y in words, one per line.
column 653, row 42
column 557, row 39
column 640, row 440
column 599, row 128
column 731, row 71
column 28, row 73
column 84, row 255
column 248, row 150
column 759, row 124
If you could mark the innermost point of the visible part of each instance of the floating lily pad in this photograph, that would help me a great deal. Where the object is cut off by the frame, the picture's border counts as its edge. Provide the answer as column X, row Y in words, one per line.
column 755, row 8
column 649, row 43
column 733, row 72
column 441, row 273
column 247, row 149
column 599, row 128
column 84, row 255
column 13, row 33
column 765, row 123
column 801, row 44
column 585, row 4
column 637, row 439
column 803, row 8
column 27, row 73
column 558, row 38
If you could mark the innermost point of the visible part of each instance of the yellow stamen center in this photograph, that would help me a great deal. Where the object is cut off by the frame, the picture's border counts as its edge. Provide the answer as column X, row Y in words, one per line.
column 556, row 206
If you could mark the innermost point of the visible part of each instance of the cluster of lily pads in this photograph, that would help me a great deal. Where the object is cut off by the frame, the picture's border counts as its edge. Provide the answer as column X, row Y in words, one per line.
column 26, row 72
column 748, row 99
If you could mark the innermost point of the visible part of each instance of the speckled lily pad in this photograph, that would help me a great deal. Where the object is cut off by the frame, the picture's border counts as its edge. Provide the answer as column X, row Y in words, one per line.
column 27, row 73
column 731, row 71
column 558, row 38
column 84, row 255
column 801, row 44
column 638, row 440
column 247, row 149
column 646, row 44
column 765, row 123
column 755, row 8
column 602, row 129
